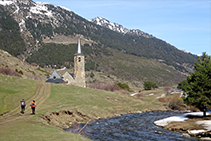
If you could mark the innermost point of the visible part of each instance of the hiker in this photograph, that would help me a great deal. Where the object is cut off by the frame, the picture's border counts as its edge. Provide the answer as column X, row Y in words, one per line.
column 33, row 105
column 23, row 105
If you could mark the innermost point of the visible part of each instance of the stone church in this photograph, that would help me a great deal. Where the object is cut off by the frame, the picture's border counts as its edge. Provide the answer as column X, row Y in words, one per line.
column 78, row 77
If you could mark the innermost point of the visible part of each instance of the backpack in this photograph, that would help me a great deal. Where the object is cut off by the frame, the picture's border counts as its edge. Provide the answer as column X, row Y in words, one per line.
column 22, row 103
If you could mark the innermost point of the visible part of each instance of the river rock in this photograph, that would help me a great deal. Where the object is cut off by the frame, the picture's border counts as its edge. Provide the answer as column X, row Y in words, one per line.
column 185, row 135
column 158, row 132
column 139, row 112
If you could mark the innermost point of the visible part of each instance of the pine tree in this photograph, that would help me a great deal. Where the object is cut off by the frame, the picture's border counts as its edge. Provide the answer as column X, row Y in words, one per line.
column 199, row 82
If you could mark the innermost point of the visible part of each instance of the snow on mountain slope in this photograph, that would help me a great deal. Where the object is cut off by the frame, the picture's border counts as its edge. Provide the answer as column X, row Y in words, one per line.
column 119, row 28
column 35, row 10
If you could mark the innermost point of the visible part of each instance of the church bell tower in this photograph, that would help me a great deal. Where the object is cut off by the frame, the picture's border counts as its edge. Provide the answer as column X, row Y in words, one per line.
column 79, row 66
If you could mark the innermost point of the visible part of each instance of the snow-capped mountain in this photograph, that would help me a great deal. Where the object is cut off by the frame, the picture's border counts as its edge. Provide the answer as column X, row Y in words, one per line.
column 185, row 51
column 119, row 28
column 25, row 9
column 42, row 23
column 32, row 17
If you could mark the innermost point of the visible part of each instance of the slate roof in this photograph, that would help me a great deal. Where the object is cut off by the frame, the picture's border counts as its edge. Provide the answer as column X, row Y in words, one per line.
column 55, row 78
column 72, row 74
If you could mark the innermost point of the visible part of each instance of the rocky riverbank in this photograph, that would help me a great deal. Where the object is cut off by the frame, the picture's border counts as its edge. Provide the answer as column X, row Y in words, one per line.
column 66, row 118
column 191, row 124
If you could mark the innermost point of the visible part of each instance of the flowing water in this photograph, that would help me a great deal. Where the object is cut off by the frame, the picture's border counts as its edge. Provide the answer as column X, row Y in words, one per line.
column 130, row 127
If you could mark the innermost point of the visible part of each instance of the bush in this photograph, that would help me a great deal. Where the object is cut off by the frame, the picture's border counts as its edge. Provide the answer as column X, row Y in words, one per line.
column 123, row 86
column 175, row 102
column 21, row 72
column 92, row 75
column 148, row 85
column 8, row 71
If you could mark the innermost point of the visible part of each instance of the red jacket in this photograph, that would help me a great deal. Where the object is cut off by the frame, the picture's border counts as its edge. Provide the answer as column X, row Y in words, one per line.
column 32, row 104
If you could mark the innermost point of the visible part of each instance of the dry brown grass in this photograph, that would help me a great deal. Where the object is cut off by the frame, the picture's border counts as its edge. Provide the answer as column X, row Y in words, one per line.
column 139, row 95
column 175, row 102
column 107, row 87
column 13, row 63
column 8, row 71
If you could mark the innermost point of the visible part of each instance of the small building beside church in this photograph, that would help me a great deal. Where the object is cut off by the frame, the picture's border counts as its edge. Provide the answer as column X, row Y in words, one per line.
column 55, row 78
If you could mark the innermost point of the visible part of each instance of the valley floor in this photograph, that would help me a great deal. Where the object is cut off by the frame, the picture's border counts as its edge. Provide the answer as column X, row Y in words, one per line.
column 60, row 106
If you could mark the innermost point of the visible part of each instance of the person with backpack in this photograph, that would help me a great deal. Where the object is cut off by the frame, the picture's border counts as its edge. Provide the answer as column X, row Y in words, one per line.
column 23, row 105
column 33, row 105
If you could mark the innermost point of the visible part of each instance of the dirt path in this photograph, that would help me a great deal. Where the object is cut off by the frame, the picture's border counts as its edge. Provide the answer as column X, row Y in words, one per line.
column 42, row 93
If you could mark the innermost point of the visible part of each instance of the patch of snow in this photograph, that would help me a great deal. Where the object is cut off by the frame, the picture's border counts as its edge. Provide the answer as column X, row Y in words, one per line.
column 65, row 8
column 195, row 131
column 40, row 8
column 185, row 51
column 133, row 94
column 22, row 25
column 28, row 16
column 16, row 11
column 166, row 121
column 151, row 94
column 6, row 2
column 205, row 123
column 163, row 95
column 110, row 27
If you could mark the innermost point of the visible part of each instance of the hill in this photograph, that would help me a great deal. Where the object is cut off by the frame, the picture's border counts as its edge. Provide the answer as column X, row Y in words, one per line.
column 16, row 65
column 49, row 34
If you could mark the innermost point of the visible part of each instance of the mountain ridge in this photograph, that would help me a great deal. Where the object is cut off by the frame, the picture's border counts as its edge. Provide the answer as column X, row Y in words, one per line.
column 119, row 28
column 45, row 25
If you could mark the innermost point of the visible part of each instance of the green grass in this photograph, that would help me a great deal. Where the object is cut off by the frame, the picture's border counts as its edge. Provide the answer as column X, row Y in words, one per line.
column 14, row 89
column 27, row 130
column 91, row 102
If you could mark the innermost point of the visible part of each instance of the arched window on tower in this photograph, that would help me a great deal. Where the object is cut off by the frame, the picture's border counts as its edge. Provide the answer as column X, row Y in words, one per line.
column 79, row 59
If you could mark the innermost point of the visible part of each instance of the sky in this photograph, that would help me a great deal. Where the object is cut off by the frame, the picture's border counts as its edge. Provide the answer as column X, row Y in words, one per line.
column 185, row 24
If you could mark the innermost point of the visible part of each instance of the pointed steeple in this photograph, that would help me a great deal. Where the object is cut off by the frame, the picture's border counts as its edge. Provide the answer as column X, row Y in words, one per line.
column 79, row 46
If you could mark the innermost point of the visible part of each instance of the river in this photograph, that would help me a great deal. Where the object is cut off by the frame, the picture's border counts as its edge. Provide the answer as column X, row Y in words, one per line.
column 131, row 127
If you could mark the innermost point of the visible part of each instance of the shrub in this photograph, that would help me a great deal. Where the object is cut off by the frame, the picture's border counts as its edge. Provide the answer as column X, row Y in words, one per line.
column 16, row 70
column 123, row 86
column 148, row 85
column 175, row 102
column 92, row 75
column 20, row 71
column 8, row 71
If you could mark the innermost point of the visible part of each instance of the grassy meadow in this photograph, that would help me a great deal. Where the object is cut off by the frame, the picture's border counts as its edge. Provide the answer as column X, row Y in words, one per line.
column 90, row 102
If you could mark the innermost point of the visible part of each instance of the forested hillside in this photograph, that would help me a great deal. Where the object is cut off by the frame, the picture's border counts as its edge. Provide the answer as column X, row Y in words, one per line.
column 131, row 44
column 10, row 38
